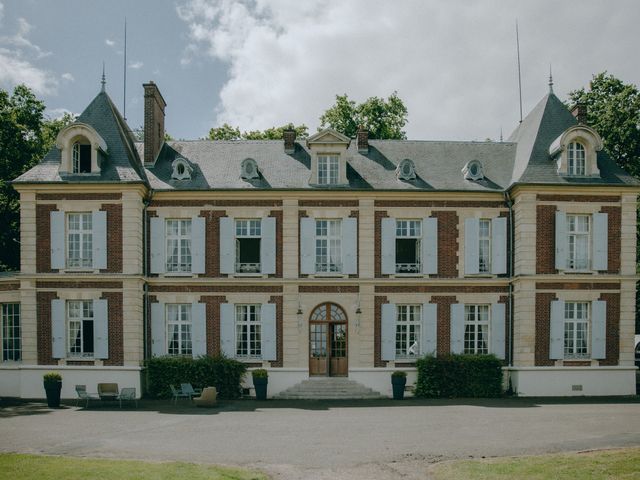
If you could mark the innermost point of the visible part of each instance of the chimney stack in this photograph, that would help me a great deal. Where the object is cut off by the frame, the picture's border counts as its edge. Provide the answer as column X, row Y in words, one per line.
column 154, row 106
column 363, row 140
column 579, row 111
column 289, row 136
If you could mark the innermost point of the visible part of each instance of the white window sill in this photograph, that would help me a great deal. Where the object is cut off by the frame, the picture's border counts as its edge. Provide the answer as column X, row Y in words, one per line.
column 329, row 275
column 408, row 275
column 179, row 274
column 79, row 359
column 481, row 275
column 579, row 271
column 80, row 270
column 255, row 275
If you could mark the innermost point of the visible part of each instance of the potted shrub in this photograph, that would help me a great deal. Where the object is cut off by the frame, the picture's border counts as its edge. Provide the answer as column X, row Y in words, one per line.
column 260, row 380
column 52, row 386
column 398, row 381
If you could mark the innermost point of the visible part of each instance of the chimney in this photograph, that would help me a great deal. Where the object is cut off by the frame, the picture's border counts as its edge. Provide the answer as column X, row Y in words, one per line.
column 289, row 135
column 153, row 121
column 579, row 111
column 363, row 140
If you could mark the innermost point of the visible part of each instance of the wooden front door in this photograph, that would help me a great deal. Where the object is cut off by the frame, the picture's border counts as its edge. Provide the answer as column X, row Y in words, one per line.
column 328, row 341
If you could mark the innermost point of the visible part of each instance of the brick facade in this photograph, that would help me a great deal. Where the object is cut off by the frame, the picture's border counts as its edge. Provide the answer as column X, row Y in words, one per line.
column 114, row 237
column 277, row 214
column 212, row 303
column 543, row 326
column 43, row 328
column 444, row 322
column 614, row 215
column 377, row 244
column 43, row 237
column 278, row 301
column 212, row 239
column 116, row 328
column 613, row 329
column 447, row 243
column 378, row 301
column 545, row 239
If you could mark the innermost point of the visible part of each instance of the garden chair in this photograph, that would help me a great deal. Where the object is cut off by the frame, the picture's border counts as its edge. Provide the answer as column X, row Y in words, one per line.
column 108, row 391
column 207, row 398
column 189, row 390
column 81, row 390
column 128, row 393
column 178, row 393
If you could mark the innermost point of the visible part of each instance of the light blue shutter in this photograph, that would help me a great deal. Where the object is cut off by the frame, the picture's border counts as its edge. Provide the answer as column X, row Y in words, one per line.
column 599, row 329
column 100, row 329
column 198, row 249
column 561, row 241
column 471, row 248
column 388, row 246
column 600, row 241
column 349, row 246
column 457, row 328
column 499, row 245
column 498, row 343
column 58, row 251
column 430, row 246
column 99, row 240
column 58, row 314
column 388, row 332
column 228, row 329
column 227, row 245
column 429, row 329
column 307, row 245
column 556, row 330
column 268, row 246
column 157, row 244
column 198, row 329
column 158, row 330
column 269, row 333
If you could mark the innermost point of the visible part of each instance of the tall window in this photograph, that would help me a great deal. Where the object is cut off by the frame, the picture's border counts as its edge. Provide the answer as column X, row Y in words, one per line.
column 81, row 156
column 578, row 240
column 576, row 330
column 11, row 344
column 179, row 329
column 408, row 235
column 178, row 235
column 476, row 329
column 328, row 246
column 248, row 334
column 80, row 240
column 248, row 234
column 408, row 331
column 80, row 328
column 484, row 245
column 328, row 169
column 576, row 159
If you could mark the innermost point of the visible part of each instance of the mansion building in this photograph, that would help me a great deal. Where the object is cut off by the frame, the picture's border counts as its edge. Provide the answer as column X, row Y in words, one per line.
column 325, row 256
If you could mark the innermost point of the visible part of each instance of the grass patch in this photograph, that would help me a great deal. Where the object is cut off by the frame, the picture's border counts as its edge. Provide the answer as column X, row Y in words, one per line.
column 27, row 467
column 605, row 464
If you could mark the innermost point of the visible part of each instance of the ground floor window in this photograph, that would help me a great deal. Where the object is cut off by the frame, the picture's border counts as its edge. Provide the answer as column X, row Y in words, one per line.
column 80, row 328
column 11, row 343
column 576, row 330
column 179, row 329
column 476, row 329
column 408, row 331
column 248, row 331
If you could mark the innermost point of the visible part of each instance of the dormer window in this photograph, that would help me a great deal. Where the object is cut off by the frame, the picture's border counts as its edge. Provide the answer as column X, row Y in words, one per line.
column 473, row 170
column 329, row 157
column 82, row 150
column 249, row 169
column 181, row 169
column 575, row 152
column 328, row 169
column 576, row 159
column 406, row 170
column 81, row 156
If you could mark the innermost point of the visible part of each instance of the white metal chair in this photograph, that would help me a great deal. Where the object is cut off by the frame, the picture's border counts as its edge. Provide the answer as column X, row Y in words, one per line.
column 81, row 390
column 128, row 393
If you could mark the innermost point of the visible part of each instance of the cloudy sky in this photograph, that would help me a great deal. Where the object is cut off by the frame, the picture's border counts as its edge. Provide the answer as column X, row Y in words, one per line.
column 259, row 63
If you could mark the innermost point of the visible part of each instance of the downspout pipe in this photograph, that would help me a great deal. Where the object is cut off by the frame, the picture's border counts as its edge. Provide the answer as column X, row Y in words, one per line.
column 145, row 270
column 510, row 268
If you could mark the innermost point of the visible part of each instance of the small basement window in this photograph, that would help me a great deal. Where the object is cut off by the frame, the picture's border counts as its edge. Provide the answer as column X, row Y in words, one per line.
column 248, row 238
column 81, row 158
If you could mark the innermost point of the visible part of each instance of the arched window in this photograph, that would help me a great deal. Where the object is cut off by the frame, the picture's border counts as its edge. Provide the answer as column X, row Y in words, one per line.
column 576, row 159
column 81, row 156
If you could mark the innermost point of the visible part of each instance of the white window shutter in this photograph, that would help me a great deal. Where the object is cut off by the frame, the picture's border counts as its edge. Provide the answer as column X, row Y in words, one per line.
column 58, row 240
column 228, row 329
column 58, row 328
column 388, row 246
column 99, row 240
column 498, row 319
column 227, row 245
column 556, row 330
column 268, row 246
column 158, row 330
column 349, row 246
column 100, row 328
column 307, row 245
column 388, row 332
column 269, row 333
column 457, row 328
column 599, row 329
column 561, row 241
column 429, row 329
column 600, row 241
column 157, row 244
column 198, row 248
column 471, row 248
column 198, row 329
column 499, row 245
column 429, row 246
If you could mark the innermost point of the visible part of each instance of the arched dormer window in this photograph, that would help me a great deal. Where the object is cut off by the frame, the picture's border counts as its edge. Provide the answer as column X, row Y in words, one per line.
column 576, row 152
column 576, row 159
column 82, row 150
column 181, row 169
column 81, row 157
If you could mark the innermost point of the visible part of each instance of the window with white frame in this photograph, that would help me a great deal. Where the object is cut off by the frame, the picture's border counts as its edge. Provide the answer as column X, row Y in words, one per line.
column 578, row 227
column 408, row 237
column 178, row 238
column 179, row 329
column 476, row 329
column 408, row 321
column 484, row 245
column 576, row 159
column 11, row 338
column 248, row 331
column 576, row 330
column 328, row 169
column 80, row 328
column 79, row 240
column 81, row 158
column 328, row 246
column 248, row 237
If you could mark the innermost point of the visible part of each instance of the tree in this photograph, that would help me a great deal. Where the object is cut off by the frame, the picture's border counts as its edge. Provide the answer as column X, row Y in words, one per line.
column 227, row 132
column 384, row 119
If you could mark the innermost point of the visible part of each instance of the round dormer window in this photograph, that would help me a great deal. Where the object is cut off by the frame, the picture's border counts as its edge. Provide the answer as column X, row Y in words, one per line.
column 249, row 169
column 181, row 169
column 473, row 170
column 406, row 170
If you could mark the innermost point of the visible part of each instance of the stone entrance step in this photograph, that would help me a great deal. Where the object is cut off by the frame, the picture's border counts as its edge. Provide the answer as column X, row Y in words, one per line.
column 329, row 388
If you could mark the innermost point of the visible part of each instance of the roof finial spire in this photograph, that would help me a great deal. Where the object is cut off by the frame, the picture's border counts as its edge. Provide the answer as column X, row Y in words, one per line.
column 500, row 134
column 104, row 79
column 550, row 80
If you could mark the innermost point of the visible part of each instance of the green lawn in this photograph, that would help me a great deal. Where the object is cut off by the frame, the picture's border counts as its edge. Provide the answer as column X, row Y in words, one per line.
column 607, row 464
column 27, row 467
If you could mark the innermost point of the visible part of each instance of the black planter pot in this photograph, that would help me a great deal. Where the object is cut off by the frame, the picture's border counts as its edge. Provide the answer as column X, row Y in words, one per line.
column 261, row 388
column 53, row 394
column 398, row 383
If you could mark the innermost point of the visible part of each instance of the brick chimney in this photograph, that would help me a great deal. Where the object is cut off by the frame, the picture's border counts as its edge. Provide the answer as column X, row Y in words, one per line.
column 363, row 140
column 289, row 136
column 153, row 121
column 579, row 111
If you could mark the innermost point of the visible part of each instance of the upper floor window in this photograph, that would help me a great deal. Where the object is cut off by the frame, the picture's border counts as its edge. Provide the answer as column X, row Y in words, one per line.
column 328, row 169
column 576, row 330
column 248, row 237
column 408, row 246
column 80, row 328
column 408, row 323
column 179, row 329
column 248, row 331
column 81, row 156
column 578, row 242
column 79, row 240
column 476, row 329
column 484, row 245
column 576, row 159
column 11, row 335
column 178, row 241
column 328, row 246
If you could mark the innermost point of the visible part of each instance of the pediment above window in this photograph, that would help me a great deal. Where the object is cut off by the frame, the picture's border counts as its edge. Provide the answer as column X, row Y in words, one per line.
column 82, row 149
column 578, row 143
column 328, row 137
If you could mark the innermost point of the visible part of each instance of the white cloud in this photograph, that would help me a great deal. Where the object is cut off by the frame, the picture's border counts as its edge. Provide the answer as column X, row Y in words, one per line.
column 1, row 12
column 109, row 42
column 56, row 113
column 15, row 70
column 136, row 65
column 68, row 77
column 20, row 40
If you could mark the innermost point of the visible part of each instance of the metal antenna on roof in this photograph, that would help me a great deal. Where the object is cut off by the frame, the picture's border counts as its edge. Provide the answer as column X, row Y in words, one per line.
column 124, row 96
column 500, row 134
column 103, row 82
column 519, row 75
column 550, row 80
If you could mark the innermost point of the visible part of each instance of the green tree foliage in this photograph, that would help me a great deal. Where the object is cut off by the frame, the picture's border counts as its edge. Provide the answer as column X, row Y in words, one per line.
column 227, row 132
column 384, row 119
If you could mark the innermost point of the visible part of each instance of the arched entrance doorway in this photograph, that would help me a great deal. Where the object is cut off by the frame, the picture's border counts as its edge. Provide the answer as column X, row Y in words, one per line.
column 328, row 341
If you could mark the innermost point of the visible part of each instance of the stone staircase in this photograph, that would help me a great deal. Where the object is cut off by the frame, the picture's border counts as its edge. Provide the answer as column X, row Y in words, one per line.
column 328, row 388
